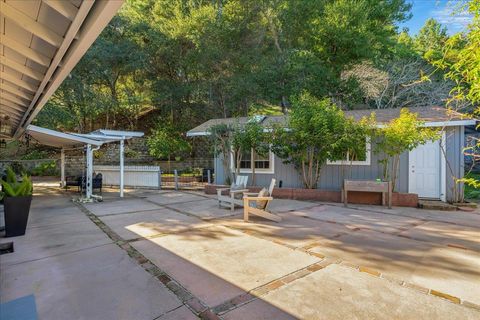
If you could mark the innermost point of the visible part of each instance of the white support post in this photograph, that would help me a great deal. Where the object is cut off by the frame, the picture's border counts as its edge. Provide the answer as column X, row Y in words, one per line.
column 122, row 167
column 62, row 168
column 88, row 178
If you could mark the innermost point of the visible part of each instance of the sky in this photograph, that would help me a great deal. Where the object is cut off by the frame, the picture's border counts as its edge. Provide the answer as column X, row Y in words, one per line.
column 441, row 10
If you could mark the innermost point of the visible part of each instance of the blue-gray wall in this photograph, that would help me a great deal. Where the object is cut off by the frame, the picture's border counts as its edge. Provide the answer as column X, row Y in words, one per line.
column 332, row 175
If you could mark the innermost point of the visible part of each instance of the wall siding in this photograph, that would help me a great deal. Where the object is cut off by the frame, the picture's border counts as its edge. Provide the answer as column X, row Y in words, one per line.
column 332, row 176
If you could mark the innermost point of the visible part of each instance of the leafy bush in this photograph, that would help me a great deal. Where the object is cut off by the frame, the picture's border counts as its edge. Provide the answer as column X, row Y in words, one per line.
column 12, row 188
column 45, row 169
column 130, row 153
column 35, row 154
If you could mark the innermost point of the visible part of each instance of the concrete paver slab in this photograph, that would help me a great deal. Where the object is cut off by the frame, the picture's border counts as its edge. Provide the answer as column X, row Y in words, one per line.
column 338, row 292
column 452, row 271
column 284, row 205
column 293, row 230
column 98, row 283
column 120, row 206
column 471, row 219
column 354, row 218
column 55, row 215
column 52, row 240
column 446, row 234
column 205, row 208
column 150, row 223
column 217, row 264
column 383, row 252
column 174, row 197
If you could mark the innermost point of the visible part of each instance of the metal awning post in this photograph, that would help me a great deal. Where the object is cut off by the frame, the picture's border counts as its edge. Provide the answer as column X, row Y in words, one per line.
column 88, row 179
column 122, row 167
column 62, row 168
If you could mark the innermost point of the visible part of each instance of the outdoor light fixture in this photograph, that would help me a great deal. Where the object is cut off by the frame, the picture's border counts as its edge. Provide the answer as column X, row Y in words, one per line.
column 3, row 144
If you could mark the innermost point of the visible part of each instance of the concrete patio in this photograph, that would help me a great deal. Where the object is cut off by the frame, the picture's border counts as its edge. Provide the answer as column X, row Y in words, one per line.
column 176, row 255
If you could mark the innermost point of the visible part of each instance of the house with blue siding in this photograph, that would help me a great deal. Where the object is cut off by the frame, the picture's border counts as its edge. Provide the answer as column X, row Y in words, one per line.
column 429, row 170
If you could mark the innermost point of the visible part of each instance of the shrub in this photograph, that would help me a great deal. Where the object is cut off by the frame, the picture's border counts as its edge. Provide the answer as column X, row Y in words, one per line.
column 45, row 169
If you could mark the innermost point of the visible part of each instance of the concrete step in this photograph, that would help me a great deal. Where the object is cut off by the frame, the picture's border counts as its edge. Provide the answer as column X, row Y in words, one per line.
column 436, row 205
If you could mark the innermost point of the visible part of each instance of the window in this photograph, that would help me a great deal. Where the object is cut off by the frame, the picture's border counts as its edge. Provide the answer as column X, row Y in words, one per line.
column 263, row 164
column 362, row 159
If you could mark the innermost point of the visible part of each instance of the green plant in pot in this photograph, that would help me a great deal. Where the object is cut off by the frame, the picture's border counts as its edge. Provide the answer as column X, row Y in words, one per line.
column 17, row 197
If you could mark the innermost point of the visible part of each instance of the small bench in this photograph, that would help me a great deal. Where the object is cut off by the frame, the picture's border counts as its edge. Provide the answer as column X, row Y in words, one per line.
column 385, row 187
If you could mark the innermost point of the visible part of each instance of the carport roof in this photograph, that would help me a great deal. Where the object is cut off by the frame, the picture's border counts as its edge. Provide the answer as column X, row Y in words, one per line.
column 71, row 140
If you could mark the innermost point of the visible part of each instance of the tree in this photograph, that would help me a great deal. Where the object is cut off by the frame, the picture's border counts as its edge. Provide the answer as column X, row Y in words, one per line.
column 316, row 131
column 402, row 134
column 220, row 137
column 165, row 141
column 431, row 39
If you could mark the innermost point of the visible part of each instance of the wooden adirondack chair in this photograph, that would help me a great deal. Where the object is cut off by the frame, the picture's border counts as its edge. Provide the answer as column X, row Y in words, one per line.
column 261, row 204
column 231, row 198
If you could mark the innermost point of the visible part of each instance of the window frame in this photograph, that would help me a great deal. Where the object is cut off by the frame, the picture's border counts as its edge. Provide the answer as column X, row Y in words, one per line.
column 271, row 170
column 347, row 162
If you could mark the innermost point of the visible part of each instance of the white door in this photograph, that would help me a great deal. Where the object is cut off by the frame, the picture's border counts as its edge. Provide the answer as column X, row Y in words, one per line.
column 424, row 170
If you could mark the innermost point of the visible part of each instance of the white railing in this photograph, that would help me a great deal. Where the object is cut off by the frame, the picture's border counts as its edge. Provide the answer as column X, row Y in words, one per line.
column 134, row 176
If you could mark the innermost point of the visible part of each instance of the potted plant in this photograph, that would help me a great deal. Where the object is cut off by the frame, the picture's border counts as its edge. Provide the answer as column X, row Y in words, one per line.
column 17, row 197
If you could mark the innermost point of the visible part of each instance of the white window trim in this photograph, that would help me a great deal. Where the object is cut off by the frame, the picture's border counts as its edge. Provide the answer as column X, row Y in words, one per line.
column 366, row 162
column 270, row 170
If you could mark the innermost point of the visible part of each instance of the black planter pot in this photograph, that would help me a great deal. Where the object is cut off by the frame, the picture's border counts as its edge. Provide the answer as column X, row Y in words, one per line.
column 16, row 215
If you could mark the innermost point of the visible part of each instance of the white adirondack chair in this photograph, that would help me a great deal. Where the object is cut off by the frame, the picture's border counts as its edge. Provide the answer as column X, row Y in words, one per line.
column 261, row 204
column 228, row 197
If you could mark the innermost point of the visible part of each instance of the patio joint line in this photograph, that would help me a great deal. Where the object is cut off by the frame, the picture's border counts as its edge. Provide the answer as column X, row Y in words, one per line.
column 128, row 212
column 271, row 286
column 193, row 303
column 410, row 285
column 169, row 311
column 57, row 255
column 370, row 271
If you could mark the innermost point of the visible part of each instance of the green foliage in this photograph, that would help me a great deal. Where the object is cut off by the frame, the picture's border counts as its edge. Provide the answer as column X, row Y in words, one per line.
column 431, row 39
column 45, row 169
column 130, row 153
column 402, row 134
column 461, row 59
column 472, row 186
column 165, row 142
column 12, row 188
column 35, row 154
column 317, row 131
column 195, row 60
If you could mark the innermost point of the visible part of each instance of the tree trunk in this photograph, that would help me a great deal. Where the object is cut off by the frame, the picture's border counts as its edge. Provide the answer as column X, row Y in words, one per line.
column 252, row 161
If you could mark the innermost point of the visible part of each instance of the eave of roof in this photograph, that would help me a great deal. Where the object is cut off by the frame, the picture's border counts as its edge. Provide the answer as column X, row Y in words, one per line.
column 431, row 116
column 40, row 43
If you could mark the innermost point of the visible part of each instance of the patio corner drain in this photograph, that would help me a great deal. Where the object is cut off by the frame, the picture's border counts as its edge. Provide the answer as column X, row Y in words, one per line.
column 6, row 247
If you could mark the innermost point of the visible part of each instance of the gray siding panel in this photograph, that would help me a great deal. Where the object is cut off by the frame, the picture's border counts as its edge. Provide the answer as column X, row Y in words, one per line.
column 332, row 176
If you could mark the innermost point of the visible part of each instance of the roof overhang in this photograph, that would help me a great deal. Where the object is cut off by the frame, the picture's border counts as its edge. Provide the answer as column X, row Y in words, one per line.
column 432, row 124
column 41, row 41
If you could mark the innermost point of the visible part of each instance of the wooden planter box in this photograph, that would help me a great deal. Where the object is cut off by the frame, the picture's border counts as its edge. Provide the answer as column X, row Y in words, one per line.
column 354, row 197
